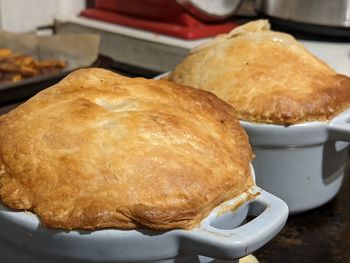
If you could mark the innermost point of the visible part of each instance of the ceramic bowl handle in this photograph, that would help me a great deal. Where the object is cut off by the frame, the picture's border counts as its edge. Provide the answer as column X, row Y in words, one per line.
column 271, row 214
column 339, row 127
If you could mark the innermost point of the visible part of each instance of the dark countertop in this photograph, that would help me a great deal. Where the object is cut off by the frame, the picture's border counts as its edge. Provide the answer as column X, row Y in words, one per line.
column 320, row 235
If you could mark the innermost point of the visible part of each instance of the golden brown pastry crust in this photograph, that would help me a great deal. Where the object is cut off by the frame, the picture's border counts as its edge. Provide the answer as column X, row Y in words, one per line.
column 101, row 150
column 266, row 76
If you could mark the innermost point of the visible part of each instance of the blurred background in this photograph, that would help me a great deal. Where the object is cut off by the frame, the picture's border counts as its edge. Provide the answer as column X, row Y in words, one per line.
column 41, row 41
column 147, row 37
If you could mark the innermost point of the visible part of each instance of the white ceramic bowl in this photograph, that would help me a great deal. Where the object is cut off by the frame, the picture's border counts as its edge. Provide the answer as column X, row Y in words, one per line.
column 223, row 234
column 303, row 164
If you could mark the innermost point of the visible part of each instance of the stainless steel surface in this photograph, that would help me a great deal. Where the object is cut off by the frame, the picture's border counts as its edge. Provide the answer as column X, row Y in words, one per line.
column 130, row 50
column 209, row 10
column 317, row 12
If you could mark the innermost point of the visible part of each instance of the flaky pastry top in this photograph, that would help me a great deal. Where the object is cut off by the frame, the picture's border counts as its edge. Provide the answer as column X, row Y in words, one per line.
column 102, row 150
column 267, row 76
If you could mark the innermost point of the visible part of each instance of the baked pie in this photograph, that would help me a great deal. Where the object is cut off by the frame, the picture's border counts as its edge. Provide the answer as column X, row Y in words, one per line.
column 101, row 150
column 266, row 76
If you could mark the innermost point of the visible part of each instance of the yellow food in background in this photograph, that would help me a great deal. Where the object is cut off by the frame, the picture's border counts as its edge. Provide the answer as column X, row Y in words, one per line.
column 15, row 66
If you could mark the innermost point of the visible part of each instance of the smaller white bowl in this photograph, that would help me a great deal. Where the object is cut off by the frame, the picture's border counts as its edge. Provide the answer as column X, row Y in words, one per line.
column 304, row 163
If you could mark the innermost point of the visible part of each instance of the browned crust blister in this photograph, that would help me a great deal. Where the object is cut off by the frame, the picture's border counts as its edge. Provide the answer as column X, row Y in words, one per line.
column 267, row 76
column 101, row 150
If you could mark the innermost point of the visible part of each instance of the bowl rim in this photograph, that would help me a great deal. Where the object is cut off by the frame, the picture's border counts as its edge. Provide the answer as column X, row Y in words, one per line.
column 207, row 240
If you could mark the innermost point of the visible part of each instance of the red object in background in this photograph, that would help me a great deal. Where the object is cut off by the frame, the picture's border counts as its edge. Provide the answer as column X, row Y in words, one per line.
column 160, row 16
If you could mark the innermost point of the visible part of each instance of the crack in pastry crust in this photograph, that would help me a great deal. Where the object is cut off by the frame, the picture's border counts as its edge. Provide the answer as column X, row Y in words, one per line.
column 101, row 150
column 266, row 76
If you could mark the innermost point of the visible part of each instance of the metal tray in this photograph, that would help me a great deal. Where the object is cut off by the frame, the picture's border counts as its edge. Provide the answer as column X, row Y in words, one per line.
column 24, row 89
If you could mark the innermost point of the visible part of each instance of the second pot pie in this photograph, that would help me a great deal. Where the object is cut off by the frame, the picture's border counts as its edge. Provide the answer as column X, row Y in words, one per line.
column 102, row 150
column 266, row 76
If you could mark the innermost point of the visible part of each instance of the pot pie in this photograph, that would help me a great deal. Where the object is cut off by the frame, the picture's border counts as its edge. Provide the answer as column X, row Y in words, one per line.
column 101, row 150
column 267, row 76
